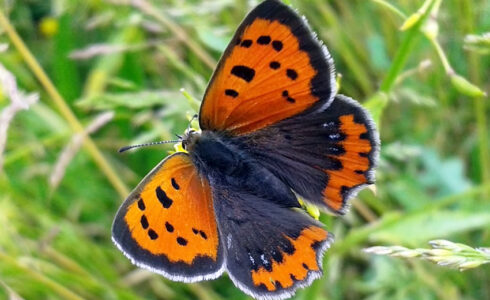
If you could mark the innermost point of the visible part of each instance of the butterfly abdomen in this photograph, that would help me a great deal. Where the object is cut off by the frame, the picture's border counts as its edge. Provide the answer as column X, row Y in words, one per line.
column 226, row 163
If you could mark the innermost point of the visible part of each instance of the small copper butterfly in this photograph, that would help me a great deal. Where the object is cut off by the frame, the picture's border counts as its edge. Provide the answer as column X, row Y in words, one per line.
column 273, row 127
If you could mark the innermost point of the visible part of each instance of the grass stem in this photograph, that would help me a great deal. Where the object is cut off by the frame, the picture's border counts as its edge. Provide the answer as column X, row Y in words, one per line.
column 62, row 105
column 403, row 53
column 180, row 33
column 53, row 285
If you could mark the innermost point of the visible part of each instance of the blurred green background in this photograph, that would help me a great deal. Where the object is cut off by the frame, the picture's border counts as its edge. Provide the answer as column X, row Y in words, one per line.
column 129, row 60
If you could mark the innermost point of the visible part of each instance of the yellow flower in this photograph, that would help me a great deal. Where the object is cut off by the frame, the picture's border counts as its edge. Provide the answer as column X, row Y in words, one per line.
column 49, row 27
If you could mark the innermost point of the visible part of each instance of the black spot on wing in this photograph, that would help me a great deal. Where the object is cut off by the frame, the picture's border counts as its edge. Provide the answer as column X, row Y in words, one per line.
column 264, row 40
column 277, row 45
column 274, row 65
column 246, row 43
column 152, row 234
column 231, row 93
column 200, row 232
column 306, row 266
column 175, row 184
column 243, row 72
column 181, row 241
column 169, row 227
column 141, row 204
column 285, row 94
column 292, row 74
column 163, row 198
column 144, row 222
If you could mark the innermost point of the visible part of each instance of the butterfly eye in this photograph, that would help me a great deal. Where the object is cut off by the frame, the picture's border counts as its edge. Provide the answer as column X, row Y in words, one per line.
column 189, row 138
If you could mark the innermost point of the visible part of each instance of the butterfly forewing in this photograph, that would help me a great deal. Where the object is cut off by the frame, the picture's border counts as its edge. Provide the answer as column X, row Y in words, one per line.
column 274, row 68
column 167, row 224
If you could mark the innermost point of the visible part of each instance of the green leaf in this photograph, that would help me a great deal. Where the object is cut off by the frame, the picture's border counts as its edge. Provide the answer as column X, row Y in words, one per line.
column 444, row 177
column 135, row 100
column 465, row 87
column 376, row 105
column 420, row 228
column 212, row 39
column 65, row 70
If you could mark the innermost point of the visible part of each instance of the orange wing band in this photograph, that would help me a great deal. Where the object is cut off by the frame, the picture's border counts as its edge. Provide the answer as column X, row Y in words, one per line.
column 294, row 267
column 355, row 163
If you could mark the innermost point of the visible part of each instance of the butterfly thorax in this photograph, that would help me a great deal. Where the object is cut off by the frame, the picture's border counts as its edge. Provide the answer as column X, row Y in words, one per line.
column 225, row 162
column 213, row 151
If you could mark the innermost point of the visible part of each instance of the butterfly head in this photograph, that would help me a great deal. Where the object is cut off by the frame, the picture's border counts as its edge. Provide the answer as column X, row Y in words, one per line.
column 189, row 139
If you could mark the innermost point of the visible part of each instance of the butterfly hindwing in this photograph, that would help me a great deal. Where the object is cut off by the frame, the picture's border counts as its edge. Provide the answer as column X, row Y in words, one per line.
column 324, row 156
column 274, row 68
column 167, row 223
column 271, row 250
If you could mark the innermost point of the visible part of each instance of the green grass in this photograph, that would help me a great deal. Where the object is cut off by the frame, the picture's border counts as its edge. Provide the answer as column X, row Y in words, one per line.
column 433, row 180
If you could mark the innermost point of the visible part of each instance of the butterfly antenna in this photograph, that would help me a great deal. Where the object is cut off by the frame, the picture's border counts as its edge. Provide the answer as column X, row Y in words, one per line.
column 124, row 149
column 190, row 122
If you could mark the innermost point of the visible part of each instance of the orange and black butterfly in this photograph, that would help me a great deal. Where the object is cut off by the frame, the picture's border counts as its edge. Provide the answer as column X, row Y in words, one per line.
column 273, row 127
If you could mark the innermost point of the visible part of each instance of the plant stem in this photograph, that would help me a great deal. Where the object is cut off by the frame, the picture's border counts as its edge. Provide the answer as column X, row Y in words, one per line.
column 359, row 235
column 180, row 33
column 345, row 46
column 467, row 7
column 445, row 62
column 53, row 285
column 390, row 7
column 62, row 106
column 408, row 43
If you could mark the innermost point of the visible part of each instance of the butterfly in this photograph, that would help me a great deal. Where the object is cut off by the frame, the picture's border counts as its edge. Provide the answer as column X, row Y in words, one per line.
column 273, row 129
